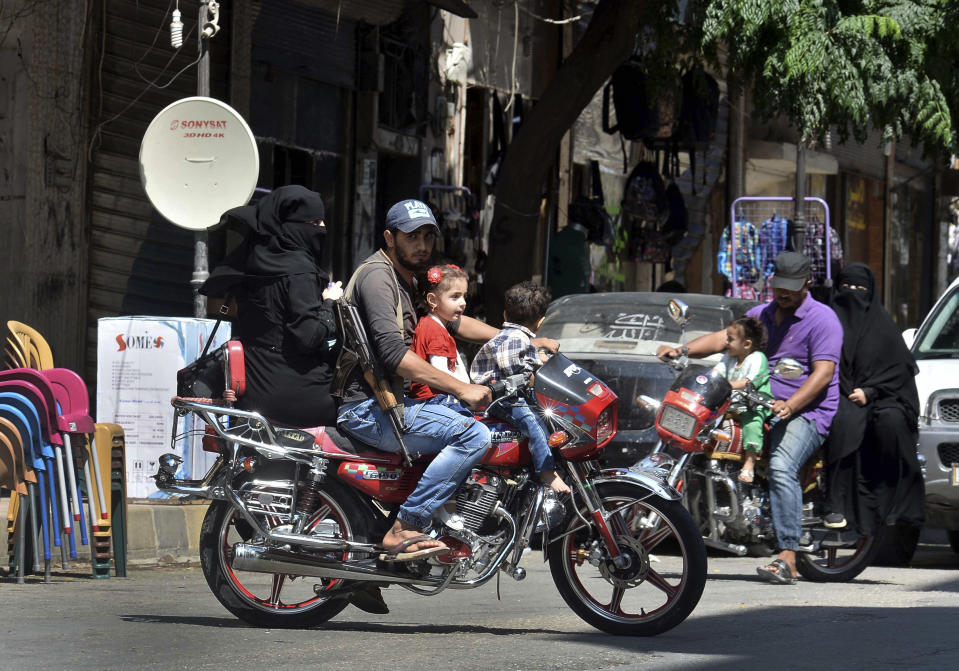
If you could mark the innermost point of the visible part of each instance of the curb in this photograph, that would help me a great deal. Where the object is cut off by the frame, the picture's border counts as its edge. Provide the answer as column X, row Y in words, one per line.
column 165, row 533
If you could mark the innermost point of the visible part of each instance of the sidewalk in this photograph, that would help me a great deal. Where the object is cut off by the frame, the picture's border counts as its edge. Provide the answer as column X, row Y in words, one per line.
column 157, row 533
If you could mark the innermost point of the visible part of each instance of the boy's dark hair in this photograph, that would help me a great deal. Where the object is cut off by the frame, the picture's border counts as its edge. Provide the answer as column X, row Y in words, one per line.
column 526, row 303
column 754, row 330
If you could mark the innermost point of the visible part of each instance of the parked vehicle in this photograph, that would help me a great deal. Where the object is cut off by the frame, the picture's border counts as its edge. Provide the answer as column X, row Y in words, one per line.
column 296, row 515
column 935, row 345
column 615, row 335
column 701, row 448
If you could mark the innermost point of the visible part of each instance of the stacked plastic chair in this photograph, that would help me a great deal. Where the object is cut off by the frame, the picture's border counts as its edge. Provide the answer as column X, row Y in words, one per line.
column 64, row 455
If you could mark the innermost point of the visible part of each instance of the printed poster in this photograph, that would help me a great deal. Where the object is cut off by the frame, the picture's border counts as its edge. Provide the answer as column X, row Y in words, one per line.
column 137, row 361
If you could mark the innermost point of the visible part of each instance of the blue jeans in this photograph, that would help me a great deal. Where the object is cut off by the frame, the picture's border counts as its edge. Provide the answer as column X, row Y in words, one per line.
column 792, row 442
column 525, row 419
column 432, row 428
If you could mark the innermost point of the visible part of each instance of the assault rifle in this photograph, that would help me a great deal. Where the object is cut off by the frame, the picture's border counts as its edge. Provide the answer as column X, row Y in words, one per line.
column 357, row 343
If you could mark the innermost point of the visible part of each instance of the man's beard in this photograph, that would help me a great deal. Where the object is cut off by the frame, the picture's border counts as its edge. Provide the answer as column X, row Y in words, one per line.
column 408, row 263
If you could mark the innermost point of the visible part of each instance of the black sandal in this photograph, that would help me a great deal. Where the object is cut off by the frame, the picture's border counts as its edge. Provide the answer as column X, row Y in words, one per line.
column 777, row 571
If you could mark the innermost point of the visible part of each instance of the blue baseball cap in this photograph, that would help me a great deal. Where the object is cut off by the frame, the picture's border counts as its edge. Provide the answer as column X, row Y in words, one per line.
column 408, row 215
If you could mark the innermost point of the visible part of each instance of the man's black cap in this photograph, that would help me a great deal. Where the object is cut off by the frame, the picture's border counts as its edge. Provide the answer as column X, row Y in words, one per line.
column 791, row 272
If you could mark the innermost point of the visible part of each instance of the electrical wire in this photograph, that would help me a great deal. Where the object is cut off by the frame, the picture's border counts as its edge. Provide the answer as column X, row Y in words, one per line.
column 512, row 74
column 555, row 22
column 95, row 135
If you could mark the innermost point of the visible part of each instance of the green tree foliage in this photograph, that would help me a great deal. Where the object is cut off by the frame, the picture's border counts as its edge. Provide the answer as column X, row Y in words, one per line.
column 847, row 64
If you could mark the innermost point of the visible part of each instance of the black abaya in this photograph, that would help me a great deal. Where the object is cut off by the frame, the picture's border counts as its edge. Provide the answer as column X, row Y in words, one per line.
column 874, row 477
column 284, row 323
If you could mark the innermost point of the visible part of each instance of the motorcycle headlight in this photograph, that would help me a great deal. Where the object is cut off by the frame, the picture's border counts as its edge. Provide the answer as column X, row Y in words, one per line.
column 677, row 422
column 604, row 426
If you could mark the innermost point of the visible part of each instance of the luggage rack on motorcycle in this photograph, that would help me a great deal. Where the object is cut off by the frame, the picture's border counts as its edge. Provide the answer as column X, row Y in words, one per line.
column 253, row 430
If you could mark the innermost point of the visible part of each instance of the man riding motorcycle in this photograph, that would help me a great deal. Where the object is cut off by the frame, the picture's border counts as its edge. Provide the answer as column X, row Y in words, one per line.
column 801, row 328
column 381, row 289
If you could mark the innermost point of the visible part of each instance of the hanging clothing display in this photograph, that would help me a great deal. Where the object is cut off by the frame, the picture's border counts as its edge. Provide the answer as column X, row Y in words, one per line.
column 814, row 248
column 774, row 238
column 748, row 258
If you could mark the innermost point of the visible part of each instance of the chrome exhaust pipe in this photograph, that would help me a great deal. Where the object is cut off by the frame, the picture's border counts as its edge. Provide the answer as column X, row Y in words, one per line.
column 258, row 559
column 739, row 550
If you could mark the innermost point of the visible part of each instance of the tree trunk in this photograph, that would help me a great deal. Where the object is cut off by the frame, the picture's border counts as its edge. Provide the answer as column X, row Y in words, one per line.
column 608, row 41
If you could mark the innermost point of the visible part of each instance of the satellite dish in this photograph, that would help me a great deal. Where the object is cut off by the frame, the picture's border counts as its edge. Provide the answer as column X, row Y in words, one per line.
column 198, row 159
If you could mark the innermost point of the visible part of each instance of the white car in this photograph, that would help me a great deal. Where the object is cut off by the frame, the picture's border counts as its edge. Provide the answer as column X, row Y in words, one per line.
column 935, row 345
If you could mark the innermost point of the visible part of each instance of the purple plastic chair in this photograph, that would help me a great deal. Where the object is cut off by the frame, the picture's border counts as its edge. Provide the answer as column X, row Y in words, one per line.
column 65, row 472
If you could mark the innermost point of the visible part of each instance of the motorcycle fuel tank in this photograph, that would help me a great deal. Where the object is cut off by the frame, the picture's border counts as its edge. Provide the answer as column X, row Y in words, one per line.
column 509, row 448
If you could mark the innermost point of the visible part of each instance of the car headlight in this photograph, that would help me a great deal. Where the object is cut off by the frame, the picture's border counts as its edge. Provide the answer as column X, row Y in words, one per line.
column 677, row 422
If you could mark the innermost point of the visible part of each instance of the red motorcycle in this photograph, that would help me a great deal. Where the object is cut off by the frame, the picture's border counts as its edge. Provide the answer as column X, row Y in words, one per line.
column 296, row 514
column 701, row 448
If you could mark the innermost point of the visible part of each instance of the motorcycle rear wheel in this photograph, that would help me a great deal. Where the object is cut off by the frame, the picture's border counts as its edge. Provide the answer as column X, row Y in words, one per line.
column 273, row 600
column 652, row 595
column 838, row 564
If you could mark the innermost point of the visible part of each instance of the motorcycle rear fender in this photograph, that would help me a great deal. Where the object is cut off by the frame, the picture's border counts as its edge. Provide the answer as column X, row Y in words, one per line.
column 652, row 479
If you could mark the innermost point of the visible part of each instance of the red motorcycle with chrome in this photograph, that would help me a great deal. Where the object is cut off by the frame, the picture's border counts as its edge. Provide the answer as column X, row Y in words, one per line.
column 702, row 450
column 296, row 514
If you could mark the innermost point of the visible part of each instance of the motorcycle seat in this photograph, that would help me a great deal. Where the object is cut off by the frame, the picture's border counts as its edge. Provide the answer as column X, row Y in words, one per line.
column 330, row 439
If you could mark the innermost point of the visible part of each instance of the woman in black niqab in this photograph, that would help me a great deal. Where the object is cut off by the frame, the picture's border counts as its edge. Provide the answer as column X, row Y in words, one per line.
column 874, row 477
column 285, row 317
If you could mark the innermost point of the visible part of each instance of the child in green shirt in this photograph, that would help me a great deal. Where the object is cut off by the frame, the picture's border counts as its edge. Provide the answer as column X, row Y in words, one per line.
column 745, row 362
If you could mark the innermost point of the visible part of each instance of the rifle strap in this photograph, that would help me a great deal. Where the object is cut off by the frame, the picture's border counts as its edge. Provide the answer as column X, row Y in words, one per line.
column 396, row 382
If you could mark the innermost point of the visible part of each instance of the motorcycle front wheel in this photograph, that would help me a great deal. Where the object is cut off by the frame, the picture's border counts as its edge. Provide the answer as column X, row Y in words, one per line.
column 837, row 564
column 666, row 570
column 277, row 600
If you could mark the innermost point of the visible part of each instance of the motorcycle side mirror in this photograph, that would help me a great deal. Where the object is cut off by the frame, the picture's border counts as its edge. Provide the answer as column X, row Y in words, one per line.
column 678, row 311
column 789, row 369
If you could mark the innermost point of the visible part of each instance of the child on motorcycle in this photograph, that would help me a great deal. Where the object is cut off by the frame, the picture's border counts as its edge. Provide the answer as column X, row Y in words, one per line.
column 446, row 288
column 511, row 352
column 744, row 362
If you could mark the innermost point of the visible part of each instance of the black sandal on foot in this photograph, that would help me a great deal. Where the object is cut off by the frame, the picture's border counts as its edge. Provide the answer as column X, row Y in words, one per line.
column 777, row 571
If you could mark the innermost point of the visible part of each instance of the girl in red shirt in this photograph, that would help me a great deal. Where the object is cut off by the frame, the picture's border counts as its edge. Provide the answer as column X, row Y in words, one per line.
column 446, row 297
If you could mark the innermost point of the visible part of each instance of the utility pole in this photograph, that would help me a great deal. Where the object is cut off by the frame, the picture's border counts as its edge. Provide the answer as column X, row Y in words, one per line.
column 799, row 212
column 207, row 27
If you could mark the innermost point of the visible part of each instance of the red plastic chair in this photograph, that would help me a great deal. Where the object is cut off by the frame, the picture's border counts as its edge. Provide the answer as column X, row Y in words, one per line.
column 74, row 418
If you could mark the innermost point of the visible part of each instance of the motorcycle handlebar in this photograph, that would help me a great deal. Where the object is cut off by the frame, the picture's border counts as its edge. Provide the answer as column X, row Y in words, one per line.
column 504, row 389
column 754, row 399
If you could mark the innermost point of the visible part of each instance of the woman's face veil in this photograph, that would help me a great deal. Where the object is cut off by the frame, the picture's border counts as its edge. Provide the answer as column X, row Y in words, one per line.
column 283, row 238
column 292, row 215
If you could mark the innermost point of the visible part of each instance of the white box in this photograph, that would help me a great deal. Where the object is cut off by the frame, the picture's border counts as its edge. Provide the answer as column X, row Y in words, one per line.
column 137, row 361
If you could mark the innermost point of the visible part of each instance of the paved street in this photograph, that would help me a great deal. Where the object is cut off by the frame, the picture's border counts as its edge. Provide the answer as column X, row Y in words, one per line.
column 165, row 618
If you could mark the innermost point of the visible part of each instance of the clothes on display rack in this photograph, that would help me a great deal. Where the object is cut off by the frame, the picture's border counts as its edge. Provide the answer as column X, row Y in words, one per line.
column 814, row 248
column 748, row 258
column 774, row 238
column 757, row 249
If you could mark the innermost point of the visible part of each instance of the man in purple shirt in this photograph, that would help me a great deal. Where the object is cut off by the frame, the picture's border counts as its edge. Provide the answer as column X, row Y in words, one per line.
column 800, row 328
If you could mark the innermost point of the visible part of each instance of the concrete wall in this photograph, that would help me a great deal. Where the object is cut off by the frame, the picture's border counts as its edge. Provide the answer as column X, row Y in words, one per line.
column 42, row 174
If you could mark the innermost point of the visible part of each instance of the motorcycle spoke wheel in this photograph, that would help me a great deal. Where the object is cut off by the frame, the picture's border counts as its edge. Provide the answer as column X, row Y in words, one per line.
column 837, row 564
column 666, row 570
column 277, row 600
column 273, row 592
